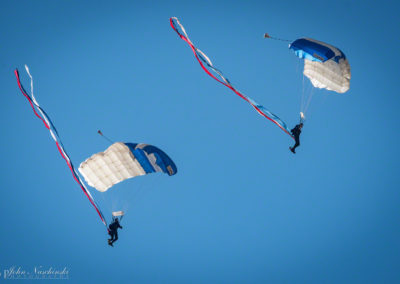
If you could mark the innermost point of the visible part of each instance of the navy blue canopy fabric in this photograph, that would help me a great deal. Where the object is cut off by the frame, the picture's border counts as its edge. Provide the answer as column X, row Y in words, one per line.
column 316, row 50
column 163, row 161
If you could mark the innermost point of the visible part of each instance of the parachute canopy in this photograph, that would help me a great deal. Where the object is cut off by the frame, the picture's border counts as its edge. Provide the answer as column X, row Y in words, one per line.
column 325, row 65
column 121, row 161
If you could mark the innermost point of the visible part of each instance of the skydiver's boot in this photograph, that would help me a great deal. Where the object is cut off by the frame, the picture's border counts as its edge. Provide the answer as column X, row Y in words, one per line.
column 292, row 149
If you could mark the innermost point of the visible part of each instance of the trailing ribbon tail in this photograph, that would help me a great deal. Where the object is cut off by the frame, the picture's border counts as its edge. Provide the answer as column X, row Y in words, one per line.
column 203, row 59
column 41, row 114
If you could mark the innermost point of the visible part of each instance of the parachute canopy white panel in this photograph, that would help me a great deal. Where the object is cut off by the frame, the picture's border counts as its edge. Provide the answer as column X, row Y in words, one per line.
column 325, row 65
column 329, row 74
column 122, row 161
column 118, row 213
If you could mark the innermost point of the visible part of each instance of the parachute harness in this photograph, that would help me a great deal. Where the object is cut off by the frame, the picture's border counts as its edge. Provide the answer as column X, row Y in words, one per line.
column 202, row 58
column 54, row 134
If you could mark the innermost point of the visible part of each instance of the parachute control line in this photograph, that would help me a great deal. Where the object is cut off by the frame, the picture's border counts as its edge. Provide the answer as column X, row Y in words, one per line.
column 42, row 115
column 203, row 59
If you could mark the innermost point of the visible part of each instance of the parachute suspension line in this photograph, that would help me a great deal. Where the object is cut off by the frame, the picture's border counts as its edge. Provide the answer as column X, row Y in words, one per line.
column 54, row 134
column 105, row 137
column 143, row 190
column 203, row 59
column 139, row 190
column 302, row 112
column 266, row 35
column 302, row 96
column 309, row 100
column 306, row 96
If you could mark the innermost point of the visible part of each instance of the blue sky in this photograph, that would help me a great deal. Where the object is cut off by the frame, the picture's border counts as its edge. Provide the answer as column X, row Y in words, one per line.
column 242, row 208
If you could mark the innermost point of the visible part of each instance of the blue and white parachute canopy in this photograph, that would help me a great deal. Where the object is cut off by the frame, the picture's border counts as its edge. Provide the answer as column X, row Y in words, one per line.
column 325, row 65
column 121, row 161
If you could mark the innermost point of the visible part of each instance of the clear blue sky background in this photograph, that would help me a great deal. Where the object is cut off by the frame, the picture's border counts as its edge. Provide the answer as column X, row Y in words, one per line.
column 242, row 208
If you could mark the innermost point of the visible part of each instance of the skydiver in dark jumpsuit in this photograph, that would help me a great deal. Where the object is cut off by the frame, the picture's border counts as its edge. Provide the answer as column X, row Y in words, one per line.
column 296, row 131
column 113, row 228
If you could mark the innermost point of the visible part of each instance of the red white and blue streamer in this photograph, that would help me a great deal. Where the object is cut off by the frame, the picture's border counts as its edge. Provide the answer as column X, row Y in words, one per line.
column 41, row 114
column 203, row 59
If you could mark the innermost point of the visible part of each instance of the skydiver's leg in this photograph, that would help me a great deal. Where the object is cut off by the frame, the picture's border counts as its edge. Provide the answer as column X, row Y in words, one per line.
column 110, row 234
column 114, row 237
column 297, row 143
column 297, row 139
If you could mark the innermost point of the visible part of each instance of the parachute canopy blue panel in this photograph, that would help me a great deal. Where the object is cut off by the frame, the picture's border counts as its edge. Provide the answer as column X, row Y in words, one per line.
column 121, row 161
column 152, row 159
column 316, row 50
column 325, row 65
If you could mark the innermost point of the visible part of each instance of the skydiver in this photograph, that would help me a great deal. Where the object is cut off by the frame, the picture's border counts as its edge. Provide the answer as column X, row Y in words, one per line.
column 113, row 231
column 296, row 131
